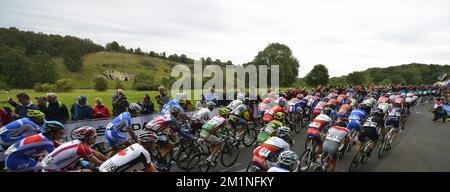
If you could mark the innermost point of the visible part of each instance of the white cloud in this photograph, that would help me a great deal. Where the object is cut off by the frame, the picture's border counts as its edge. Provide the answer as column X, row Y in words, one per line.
column 344, row 35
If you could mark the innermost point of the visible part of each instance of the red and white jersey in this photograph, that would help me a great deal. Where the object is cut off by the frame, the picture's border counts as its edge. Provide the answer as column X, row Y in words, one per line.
column 266, row 104
column 66, row 155
column 398, row 100
column 382, row 99
column 132, row 158
column 320, row 121
column 321, row 105
column 274, row 110
column 269, row 149
column 337, row 133
column 161, row 123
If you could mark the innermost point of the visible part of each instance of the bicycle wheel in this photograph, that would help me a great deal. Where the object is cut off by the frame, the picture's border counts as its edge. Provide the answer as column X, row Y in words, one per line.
column 184, row 155
column 383, row 147
column 355, row 163
column 195, row 161
column 306, row 160
column 250, row 167
column 249, row 137
column 297, row 124
column 230, row 154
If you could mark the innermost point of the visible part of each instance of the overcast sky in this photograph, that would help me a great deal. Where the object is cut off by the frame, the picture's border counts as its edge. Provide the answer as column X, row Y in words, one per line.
column 350, row 35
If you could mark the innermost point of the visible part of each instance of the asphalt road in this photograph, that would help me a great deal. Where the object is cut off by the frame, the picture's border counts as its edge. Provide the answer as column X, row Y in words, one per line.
column 424, row 145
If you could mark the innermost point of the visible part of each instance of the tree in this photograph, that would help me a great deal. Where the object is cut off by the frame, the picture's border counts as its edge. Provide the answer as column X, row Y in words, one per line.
column 217, row 62
column 100, row 84
column 16, row 70
column 138, row 51
column 317, row 76
column 279, row 54
column 72, row 59
column 43, row 67
column 143, row 81
column 183, row 58
column 397, row 79
column 115, row 46
column 208, row 61
column 229, row 62
column 173, row 57
column 356, row 78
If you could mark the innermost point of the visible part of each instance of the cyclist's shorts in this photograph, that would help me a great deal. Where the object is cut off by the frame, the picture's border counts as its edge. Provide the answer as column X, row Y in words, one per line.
column 315, row 135
column 17, row 163
column 371, row 133
column 354, row 125
column 114, row 137
column 394, row 121
column 342, row 116
column 212, row 139
column 331, row 148
column 236, row 121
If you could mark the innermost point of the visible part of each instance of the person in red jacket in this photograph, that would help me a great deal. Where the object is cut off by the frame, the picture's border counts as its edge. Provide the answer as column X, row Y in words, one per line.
column 99, row 110
column 4, row 117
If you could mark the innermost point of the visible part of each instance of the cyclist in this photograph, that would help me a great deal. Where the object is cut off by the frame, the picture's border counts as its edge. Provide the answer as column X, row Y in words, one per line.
column 240, row 116
column 345, row 110
column 66, row 156
column 280, row 107
column 266, row 153
column 369, row 130
column 287, row 162
column 136, row 157
column 201, row 116
column 393, row 119
column 19, row 129
column 26, row 153
column 317, row 127
column 240, row 97
column 214, row 130
column 318, row 108
column 112, row 135
column 409, row 101
column 356, row 118
column 164, row 126
column 270, row 129
column 335, row 135
column 177, row 102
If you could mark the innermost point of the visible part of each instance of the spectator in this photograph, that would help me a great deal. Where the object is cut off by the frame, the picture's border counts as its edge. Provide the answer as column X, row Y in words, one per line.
column 22, row 108
column 119, row 102
column 162, row 98
column 42, row 101
column 99, row 110
column 4, row 117
column 200, row 103
column 147, row 105
column 81, row 109
column 55, row 110
column 211, row 95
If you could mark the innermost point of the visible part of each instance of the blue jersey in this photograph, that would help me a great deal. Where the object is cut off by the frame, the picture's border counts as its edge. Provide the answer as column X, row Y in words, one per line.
column 395, row 112
column 165, row 108
column 121, row 121
column 357, row 114
column 31, row 146
column 17, row 130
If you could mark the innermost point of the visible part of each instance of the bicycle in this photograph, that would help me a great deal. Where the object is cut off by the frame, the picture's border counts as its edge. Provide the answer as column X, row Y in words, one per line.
column 250, row 134
column 308, row 157
column 362, row 156
column 385, row 144
column 230, row 147
column 321, row 164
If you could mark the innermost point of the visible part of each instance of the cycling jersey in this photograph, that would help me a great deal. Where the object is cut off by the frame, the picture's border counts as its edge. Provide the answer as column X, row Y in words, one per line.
column 162, row 123
column 212, row 127
column 337, row 133
column 202, row 115
column 344, row 111
column 357, row 114
column 112, row 134
column 265, row 104
column 320, row 105
column 268, row 131
column 393, row 117
column 234, row 104
column 134, row 157
column 295, row 105
column 409, row 99
column 17, row 130
column 165, row 109
column 382, row 99
column 268, row 115
column 242, row 111
column 64, row 157
column 21, row 156
column 316, row 126
column 277, row 169
column 269, row 150
column 385, row 107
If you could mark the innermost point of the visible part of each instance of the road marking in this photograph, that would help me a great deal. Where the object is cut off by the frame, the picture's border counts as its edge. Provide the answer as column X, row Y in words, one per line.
column 229, row 168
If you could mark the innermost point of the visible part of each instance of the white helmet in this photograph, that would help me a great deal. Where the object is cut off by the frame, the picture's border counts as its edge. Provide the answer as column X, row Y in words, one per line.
column 240, row 96
column 410, row 94
column 134, row 107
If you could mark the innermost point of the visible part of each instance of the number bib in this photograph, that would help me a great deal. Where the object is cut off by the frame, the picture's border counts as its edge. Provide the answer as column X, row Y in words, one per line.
column 336, row 138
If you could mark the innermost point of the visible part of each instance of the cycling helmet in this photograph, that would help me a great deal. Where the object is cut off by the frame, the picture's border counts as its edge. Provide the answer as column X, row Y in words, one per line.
column 84, row 132
column 36, row 114
column 134, row 107
column 146, row 136
column 288, row 159
column 409, row 94
column 50, row 126
column 348, row 102
column 282, row 101
column 181, row 101
column 279, row 116
column 223, row 112
column 246, row 100
column 299, row 96
column 327, row 111
column 240, row 96
column 317, row 94
column 210, row 105
column 283, row 131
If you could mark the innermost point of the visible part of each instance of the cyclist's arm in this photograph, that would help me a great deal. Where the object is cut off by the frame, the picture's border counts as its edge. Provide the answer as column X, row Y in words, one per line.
column 132, row 134
column 99, row 155
column 95, row 160
column 183, row 133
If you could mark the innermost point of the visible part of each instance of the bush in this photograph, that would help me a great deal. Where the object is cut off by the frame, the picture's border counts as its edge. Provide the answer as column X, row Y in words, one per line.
column 100, row 84
column 144, row 82
column 64, row 85
column 44, row 87
column 118, row 84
